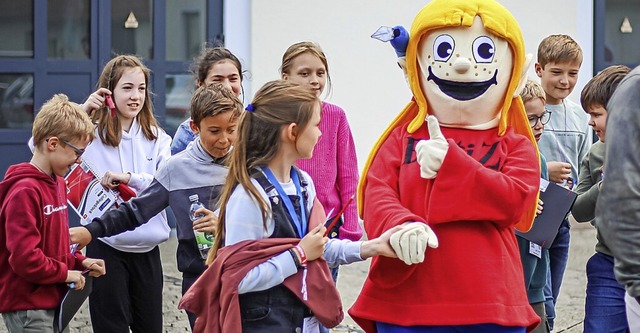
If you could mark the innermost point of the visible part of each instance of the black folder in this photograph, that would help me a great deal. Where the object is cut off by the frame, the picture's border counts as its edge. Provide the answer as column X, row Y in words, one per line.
column 71, row 303
column 557, row 205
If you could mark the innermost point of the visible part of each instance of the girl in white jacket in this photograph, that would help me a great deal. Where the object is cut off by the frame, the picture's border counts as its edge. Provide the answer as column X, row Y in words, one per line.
column 128, row 149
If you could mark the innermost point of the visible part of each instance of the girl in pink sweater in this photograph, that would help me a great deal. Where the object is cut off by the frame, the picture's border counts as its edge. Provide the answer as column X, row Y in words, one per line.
column 334, row 165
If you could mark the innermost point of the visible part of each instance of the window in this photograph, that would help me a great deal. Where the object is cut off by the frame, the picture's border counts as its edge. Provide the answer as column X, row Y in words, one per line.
column 16, row 29
column 16, row 100
column 616, row 33
column 185, row 29
column 132, row 27
column 68, row 29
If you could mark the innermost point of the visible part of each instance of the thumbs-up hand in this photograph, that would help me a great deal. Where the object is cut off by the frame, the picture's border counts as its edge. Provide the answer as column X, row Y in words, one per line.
column 431, row 153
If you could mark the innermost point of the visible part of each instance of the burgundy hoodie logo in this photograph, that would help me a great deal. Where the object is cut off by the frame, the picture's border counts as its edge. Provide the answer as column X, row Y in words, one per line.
column 49, row 209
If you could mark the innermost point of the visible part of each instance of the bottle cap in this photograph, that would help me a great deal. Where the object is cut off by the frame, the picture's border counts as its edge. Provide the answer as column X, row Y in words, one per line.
column 193, row 197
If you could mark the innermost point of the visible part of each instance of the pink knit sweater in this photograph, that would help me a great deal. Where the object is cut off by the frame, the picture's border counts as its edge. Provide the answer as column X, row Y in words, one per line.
column 334, row 168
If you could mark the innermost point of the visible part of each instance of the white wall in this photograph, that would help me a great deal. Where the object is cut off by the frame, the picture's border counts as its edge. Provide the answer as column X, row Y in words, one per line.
column 367, row 83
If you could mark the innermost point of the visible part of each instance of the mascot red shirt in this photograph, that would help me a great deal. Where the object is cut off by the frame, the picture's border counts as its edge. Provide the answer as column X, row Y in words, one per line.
column 460, row 180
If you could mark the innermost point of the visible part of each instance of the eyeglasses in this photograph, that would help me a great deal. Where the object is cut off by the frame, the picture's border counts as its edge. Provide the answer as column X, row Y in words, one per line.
column 544, row 119
column 77, row 150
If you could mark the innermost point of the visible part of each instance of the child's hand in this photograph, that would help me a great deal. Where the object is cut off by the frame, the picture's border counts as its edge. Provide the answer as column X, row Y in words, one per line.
column 559, row 172
column 95, row 101
column 313, row 242
column 540, row 207
column 113, row 179
column 81, row 236
column 75, row 279
column 207, row 223
column 95, row 267
column 379, row 246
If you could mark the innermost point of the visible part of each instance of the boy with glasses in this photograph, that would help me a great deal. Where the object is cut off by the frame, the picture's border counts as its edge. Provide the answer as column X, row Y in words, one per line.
column 535, row 258
column 37, row 261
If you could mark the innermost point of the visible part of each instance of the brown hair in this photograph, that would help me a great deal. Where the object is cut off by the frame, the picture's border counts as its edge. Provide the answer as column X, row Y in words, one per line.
column 211, row 56
column 532, row 90
column 559, row 49
column 278, row 103
column 109, row 128
column 304, row 47
column 61, row 118
column 600, row 88
column 211, row 100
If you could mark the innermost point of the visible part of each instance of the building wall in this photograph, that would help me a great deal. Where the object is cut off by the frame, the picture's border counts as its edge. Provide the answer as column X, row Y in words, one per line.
column 367, row 83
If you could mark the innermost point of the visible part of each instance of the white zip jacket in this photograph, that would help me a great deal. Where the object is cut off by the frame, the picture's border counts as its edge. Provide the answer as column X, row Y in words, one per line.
column 141, row 157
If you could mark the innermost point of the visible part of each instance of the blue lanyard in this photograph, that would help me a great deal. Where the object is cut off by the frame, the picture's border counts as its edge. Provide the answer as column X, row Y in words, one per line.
column 300, row 226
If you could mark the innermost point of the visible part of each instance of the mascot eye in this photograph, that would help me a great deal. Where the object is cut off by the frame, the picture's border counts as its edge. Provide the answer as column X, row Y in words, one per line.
column 483, row 49
column 443, row 47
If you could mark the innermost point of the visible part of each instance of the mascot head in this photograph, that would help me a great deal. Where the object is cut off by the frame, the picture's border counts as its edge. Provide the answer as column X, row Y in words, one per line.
column 465, row 60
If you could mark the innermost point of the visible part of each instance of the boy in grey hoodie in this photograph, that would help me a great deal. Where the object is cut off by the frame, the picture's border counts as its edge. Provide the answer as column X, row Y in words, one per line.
column 199, row 169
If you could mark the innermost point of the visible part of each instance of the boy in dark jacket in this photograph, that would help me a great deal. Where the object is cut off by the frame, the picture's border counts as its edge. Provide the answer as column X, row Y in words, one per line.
column 604, row 304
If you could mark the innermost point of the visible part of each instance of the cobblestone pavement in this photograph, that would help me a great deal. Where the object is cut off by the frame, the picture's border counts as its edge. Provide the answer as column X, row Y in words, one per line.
column 570, row 305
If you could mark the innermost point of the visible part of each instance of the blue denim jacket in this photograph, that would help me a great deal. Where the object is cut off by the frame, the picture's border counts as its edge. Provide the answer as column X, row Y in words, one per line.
column 182, row 138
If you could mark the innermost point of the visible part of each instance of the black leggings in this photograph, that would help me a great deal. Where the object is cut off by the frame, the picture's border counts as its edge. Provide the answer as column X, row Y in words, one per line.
column 130, row 294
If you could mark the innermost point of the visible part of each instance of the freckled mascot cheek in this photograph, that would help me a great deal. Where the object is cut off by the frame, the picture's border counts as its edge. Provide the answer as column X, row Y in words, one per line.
column 464, row 73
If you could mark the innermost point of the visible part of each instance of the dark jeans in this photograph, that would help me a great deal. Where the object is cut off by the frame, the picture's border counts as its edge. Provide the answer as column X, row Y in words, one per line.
column 604, row 307
column 558, row 257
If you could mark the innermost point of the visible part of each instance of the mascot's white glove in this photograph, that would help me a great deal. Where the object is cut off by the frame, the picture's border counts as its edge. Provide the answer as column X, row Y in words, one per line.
column 431, row 153
column 410, row 242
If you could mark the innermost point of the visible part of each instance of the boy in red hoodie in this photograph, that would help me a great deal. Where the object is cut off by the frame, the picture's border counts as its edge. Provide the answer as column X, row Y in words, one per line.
column 36, row 264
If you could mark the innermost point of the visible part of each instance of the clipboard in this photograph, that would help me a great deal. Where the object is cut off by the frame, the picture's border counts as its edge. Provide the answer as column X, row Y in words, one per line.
column 557, row 205
column 71, row 303
column 87, row 197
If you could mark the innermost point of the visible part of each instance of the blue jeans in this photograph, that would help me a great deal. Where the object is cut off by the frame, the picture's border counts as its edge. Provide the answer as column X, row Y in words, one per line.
column 558, row 257
column 480, row 328
column 604, row 308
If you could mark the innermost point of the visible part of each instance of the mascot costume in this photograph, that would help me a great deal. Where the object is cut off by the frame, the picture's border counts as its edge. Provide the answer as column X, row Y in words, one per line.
column 460, row 169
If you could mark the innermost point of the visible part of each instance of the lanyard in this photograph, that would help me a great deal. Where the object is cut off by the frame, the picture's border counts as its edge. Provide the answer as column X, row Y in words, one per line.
column 301, row 226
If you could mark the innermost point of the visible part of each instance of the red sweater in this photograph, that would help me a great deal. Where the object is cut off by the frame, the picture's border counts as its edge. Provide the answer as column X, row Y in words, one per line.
column 475, row 275
column 34, row 240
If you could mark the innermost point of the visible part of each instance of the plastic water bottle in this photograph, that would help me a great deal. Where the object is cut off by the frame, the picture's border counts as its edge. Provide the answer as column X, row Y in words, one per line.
column 203, row 239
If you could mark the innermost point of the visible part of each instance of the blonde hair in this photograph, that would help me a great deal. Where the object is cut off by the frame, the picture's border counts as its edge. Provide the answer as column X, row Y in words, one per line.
column 61, row 118
column 559, row 49
column 211, row 100
column 277, row 104
column 532, row 90
column 109, row 128
column 299, row 48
